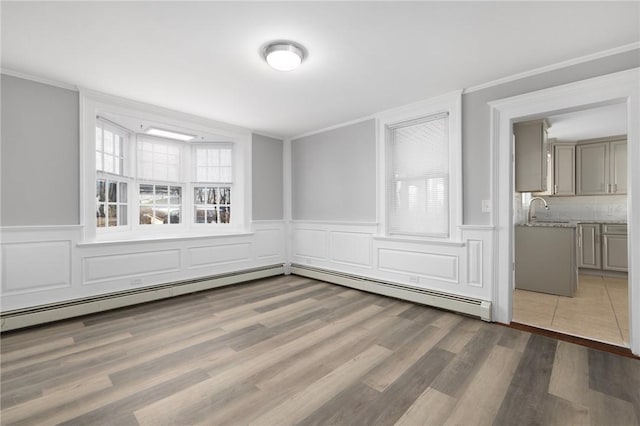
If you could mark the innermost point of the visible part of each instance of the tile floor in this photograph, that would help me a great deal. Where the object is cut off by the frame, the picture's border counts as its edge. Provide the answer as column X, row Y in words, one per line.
column 599, row 310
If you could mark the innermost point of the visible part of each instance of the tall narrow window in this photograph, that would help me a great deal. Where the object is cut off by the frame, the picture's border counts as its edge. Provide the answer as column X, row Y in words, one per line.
column 111, row 181
column 418, row 177
column 212, row 187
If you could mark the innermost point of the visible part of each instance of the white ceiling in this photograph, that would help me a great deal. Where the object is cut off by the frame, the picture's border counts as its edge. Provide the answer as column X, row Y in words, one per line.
column 203, row 57
column 610, row 120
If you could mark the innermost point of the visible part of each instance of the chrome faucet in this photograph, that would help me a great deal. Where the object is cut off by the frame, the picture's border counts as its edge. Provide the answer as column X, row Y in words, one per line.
column 546, row 206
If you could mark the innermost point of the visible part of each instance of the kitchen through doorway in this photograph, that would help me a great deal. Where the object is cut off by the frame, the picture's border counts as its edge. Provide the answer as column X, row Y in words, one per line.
column 570, row 223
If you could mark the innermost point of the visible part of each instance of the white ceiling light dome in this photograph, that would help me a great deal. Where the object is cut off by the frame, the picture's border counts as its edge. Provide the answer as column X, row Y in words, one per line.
column 284, row 55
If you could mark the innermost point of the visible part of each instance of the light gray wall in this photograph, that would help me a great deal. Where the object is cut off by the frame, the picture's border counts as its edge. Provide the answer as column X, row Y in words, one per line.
column 475, row 122
column 334, row 174
column 267, row 168
column 40, row 154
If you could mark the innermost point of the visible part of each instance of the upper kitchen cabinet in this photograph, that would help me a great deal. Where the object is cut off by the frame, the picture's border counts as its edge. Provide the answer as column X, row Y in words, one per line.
column 530, row 156
column 602, row 167
column 564, row 169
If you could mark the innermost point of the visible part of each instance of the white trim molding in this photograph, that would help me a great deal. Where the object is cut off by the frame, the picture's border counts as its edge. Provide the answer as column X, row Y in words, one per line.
column 450, row 103
column 552, row 67
column 620, row 87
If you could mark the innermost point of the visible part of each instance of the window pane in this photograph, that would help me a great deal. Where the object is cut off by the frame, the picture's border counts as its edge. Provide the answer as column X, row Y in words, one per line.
column 225, row 157
column 123, row 193
column 175, row 195
column 201, row 174
column 100, row 190
column 117, row 145
column 200, row 215
column 162, row 194
column 212, row 216
column 225, row 195
column 213, row 158
column 113, row 215
column 225, row 214
column 100, row 216
column 108, row 142
column 213, row 174
column 113, row 192
column 146, row 194
column 200, row 195
column 99, row 165
column 213, row 196
column 174, row 216
column 146, row 215
column 225, row 174
column 123, row 214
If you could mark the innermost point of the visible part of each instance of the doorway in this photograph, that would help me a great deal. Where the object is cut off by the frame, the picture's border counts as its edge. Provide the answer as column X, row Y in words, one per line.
column 600, row 91
column 581, row 209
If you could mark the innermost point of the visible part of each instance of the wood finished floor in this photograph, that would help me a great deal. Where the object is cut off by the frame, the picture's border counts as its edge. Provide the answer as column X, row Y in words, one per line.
column 289, row 350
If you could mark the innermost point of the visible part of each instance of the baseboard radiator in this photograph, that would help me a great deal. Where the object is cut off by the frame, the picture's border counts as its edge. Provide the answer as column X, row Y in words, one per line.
column 27, row 317
column 465, row 305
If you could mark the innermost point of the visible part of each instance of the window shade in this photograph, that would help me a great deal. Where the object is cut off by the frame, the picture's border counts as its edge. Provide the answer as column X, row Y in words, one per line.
column 158, row 159
column 418, row 179
column 213, row 164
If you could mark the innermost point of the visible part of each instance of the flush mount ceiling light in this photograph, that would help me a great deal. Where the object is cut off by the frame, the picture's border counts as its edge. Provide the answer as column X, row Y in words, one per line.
column 284, row 55
column 154, row 131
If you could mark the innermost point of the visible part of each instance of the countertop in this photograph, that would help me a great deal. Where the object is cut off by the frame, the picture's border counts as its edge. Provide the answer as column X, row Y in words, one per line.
column 569, row 223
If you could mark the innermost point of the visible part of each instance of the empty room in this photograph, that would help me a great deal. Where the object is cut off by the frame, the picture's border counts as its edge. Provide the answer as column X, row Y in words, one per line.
column 320, row 213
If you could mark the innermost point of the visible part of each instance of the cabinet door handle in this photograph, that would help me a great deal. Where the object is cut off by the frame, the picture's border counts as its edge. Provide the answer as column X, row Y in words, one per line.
column 555, row 188
column 615, row 187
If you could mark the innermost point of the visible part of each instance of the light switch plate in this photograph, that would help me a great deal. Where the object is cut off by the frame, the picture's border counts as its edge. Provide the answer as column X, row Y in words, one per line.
column 486, row 206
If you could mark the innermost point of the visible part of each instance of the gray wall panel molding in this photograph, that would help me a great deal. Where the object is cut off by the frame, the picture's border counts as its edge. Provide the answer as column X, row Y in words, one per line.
column 40, row 154
column 334, row 174
column 267, row 178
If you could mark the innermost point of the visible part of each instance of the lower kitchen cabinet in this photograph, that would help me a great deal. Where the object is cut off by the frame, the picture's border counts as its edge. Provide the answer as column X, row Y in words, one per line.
column 614, row 252
column 589, row 246
column 603, row 246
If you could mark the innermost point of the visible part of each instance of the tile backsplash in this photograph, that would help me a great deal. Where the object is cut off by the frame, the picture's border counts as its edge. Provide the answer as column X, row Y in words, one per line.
column 605, row 207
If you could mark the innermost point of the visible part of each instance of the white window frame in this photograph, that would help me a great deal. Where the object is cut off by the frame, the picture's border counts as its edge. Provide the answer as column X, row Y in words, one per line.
column 450, row 103
column 210, row 184
column 95, row 104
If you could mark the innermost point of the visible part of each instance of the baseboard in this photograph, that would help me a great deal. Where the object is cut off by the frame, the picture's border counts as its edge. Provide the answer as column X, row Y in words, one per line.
column 27, row 317
column 469, row 306
column 602, row 273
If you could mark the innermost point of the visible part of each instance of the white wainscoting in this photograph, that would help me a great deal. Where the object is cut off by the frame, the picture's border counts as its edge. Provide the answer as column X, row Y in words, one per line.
column 459, row 267
column 42, row 265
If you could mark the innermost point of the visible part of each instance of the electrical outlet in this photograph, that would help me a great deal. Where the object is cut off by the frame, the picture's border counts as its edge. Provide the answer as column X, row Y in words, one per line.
column 414, row 279
column 486, row 206
column 136, row 281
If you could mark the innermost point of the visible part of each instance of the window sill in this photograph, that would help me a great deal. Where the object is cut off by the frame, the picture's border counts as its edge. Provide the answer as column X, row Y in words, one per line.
column 161, row 238
column 419, row 240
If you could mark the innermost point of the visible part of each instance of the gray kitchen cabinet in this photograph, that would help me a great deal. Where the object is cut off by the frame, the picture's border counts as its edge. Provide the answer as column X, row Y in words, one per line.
column 545, row 259
column 530, row 156
column 589, row 245
column 601, row 167
column 564, row 169
column 614, row 248
column 593, row 168
column 618, row 167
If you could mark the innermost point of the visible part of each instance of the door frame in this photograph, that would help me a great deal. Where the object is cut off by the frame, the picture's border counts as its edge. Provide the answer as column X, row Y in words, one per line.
column 618, row 87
